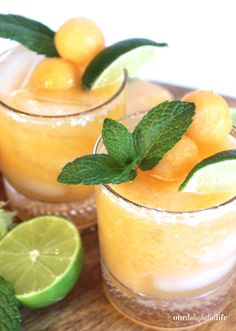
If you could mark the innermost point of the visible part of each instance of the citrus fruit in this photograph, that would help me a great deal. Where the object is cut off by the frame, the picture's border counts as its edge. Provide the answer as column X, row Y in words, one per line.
column 108, row 66
column 214, row 174
column 42, row 259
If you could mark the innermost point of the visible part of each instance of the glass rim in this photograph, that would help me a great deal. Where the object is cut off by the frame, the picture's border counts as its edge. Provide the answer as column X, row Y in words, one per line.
column 153, row 209
column 86, row 112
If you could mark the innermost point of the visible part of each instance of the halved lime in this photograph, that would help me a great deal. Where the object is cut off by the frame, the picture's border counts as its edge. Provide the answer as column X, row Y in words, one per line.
column 108, row 66
column 217, row 173
column 233, row 115
column 42, row 259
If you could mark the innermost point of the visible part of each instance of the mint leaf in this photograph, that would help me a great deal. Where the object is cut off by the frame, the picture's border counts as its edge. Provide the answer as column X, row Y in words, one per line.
column 32, row 34
column 10, row 319
column 6, row 219
column 96, row 169
column 118, row 141
column 160, row 130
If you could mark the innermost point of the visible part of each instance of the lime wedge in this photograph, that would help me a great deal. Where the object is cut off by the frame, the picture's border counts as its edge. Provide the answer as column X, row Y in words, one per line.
column 214, row 174
column 108, row 66
column 233, row 115
column 42, row 259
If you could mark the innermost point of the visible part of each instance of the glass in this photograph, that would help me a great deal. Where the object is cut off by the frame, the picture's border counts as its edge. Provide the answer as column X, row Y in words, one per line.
column 34, row 148
column 165, row 269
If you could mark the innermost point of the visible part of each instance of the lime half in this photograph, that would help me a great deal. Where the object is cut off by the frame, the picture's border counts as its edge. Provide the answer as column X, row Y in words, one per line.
column 108, row 66
column 42, row 259
column 233, row 115
column 214, row 174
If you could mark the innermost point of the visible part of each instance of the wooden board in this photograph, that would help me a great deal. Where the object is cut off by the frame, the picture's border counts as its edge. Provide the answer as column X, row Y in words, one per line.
column 86, row 307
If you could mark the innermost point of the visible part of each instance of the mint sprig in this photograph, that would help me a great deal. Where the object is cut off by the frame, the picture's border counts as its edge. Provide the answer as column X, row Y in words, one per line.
column 10, row 319
column 158, row 131
column 30, row 33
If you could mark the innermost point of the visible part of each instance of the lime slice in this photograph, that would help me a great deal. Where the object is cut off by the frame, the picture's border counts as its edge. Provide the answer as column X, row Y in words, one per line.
column 214, row 174
column 233, row 115
column 42, row 259
column 108, row 66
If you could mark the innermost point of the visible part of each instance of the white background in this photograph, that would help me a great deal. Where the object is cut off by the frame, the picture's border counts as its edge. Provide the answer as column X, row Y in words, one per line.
column 201, row 34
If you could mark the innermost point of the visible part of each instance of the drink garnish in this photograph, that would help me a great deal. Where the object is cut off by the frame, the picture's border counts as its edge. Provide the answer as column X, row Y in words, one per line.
column 10, row 319
column 107, row 67
column 80, row 42
column 213, row 174
column 157, row 132
column 42, row 259
column 30, row 33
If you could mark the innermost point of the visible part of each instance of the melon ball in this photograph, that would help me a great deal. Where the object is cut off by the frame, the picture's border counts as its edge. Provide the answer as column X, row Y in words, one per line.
column 178, row 161
column 79, row 40
column 55, row 74
column 212, row 121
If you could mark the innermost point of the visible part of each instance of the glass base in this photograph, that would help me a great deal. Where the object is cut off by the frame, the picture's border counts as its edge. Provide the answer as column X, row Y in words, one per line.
column 167, row 314
column 82, row 213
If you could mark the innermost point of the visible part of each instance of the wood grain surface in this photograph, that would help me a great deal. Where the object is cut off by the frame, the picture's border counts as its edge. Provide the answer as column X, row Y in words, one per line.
column 86, row 307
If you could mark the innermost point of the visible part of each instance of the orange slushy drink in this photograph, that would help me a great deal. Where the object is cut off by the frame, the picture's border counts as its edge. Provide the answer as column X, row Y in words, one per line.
column 55, row 92
column 43, row 129
column 167, row 253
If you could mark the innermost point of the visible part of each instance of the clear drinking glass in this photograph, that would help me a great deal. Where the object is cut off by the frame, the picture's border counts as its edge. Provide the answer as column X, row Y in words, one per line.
column 35, row 147
column 165, row 269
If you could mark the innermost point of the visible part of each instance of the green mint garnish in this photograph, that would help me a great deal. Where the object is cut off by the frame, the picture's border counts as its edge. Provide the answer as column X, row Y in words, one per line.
column 32, row 34
column 158, row 131
column 10, row 319
column 118, row 141
column 6, row 219
column 95, row 169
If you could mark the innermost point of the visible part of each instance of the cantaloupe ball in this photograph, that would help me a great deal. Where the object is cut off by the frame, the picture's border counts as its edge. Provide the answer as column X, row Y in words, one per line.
column 212, row 121
column 142, row 95
column 79, row 40
column 178, row 161
column 55, row 74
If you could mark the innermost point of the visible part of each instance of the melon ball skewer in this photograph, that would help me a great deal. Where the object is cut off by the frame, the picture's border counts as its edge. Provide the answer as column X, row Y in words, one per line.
column 55, row 74
column 178, row 161
column 79, row 40
column 212, row 121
